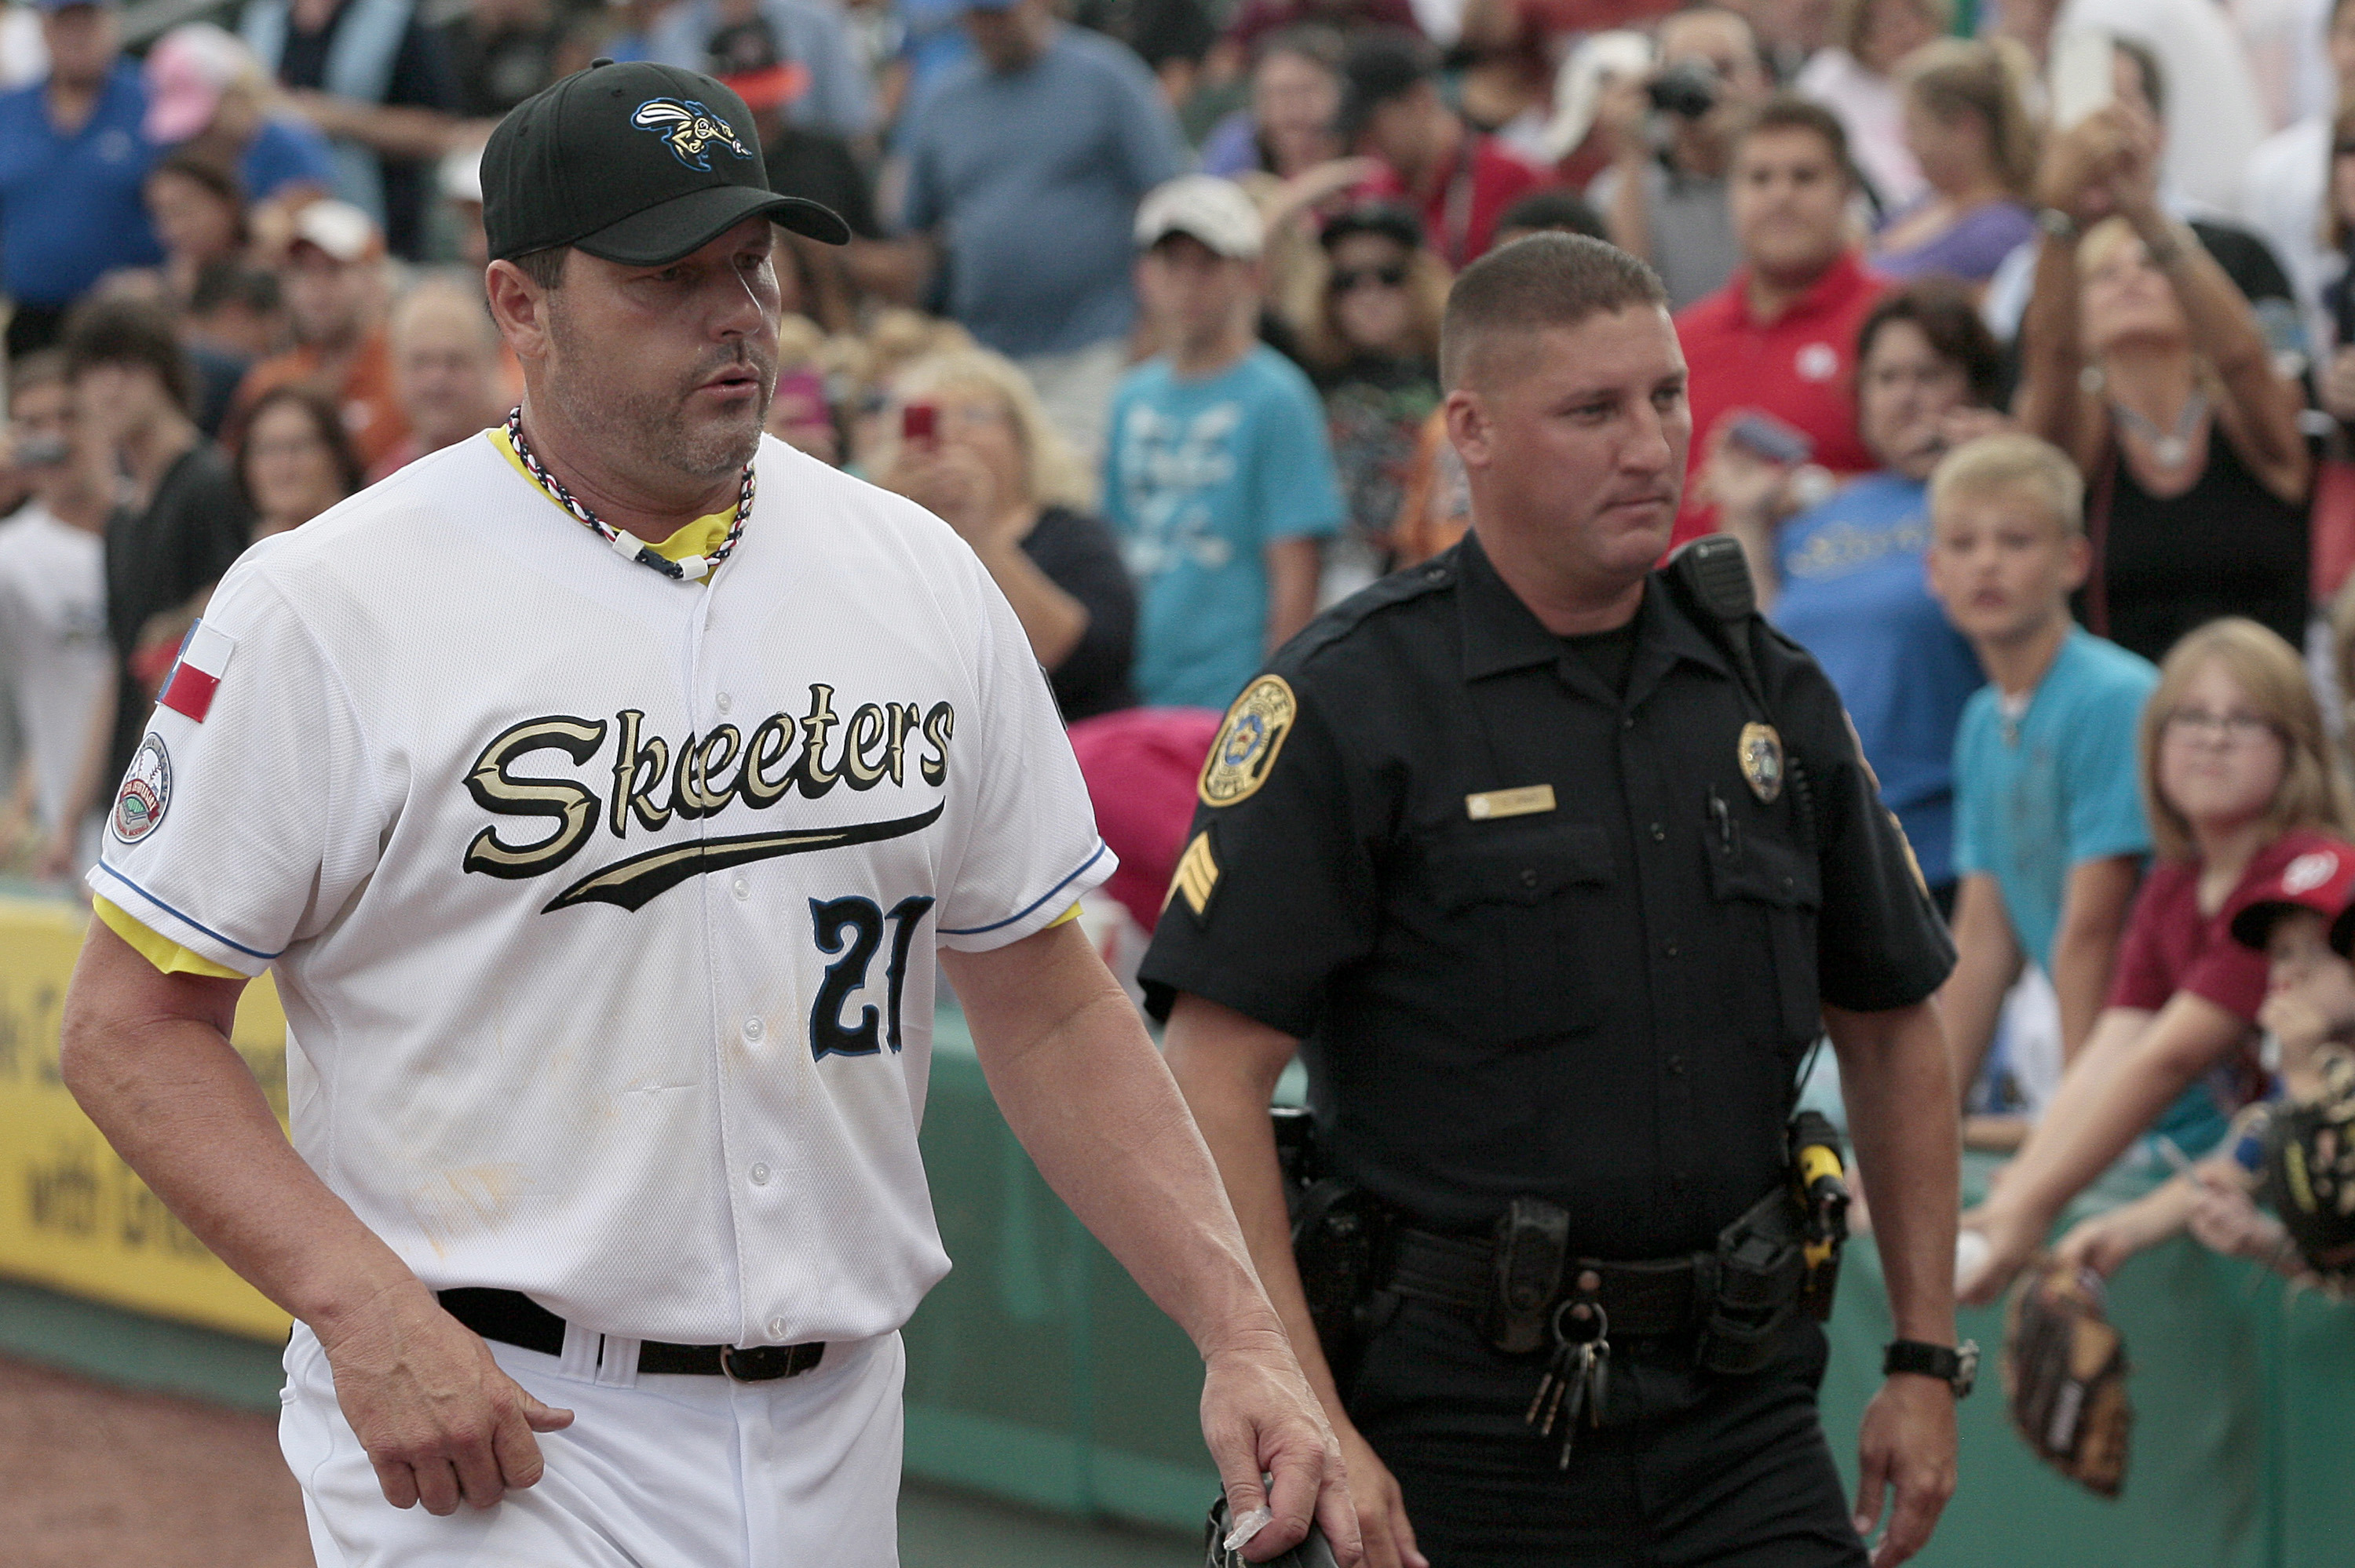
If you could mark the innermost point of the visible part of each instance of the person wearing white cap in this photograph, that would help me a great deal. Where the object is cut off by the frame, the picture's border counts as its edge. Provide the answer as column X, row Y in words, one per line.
column 336, row 293
column 1218, row 476
column 208, row 94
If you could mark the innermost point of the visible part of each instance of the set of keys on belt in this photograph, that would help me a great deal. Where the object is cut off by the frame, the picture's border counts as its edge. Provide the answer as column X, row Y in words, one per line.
column 1578, row 1378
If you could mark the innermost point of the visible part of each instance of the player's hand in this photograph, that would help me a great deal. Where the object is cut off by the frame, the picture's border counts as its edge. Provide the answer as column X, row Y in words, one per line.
column 1260, row 1417
column 1382, row 1524
column 439, row 1419
column 1907, row 1446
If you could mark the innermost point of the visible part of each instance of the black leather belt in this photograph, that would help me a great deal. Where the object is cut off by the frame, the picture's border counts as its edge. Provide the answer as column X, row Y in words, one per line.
column 1643, row 1300
column 514, row 1319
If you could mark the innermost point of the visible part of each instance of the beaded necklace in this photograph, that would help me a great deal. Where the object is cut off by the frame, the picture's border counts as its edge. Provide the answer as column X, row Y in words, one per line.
column 629, row 547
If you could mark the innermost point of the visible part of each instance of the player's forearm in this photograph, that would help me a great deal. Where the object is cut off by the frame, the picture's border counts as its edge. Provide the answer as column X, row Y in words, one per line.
column 1230, row 1103
column 1089, row 1098
column 179, row 1104
column 1901, row 1105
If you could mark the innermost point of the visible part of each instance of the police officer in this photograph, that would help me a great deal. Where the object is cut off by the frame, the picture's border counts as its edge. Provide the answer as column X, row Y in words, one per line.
column 1551, row 872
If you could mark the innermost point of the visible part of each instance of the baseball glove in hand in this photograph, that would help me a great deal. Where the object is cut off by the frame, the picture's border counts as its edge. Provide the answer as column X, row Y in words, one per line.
column 2309, row 1172
column 2065, row 1376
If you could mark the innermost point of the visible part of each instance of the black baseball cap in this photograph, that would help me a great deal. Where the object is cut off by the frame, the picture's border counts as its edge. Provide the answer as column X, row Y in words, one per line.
column 638, row 163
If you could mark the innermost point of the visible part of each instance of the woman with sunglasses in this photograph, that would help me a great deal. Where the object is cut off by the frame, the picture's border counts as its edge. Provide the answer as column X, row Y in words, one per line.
column 1365, row 318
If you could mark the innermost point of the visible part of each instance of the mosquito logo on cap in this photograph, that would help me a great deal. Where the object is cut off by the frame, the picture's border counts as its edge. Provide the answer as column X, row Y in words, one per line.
column 689, row 128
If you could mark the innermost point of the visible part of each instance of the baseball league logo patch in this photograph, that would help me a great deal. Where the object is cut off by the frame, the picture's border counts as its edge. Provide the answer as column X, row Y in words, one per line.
column 1247, row 743
column 691, row 128
column 146, row 792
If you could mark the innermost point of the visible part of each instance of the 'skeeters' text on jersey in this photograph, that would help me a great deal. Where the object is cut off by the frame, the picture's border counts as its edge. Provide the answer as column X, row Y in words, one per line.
column 653, row 780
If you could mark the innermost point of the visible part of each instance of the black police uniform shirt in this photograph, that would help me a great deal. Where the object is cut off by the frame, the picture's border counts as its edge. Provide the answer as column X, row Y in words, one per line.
column 1536, row 936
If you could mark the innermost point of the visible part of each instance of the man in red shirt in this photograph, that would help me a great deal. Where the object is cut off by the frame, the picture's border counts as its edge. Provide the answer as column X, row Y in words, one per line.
column 1780, row 338
column 1460, row 180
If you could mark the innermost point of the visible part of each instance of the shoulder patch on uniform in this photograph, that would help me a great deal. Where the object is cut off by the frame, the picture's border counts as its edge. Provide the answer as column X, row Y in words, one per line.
column 1196, row 876
column 146, row 792
column 1247, row 743
column 197, row 672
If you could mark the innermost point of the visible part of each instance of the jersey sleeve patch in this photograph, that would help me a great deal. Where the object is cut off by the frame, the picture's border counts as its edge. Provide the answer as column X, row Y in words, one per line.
column 146, row 793
column 196, row 673
column 1247, row 743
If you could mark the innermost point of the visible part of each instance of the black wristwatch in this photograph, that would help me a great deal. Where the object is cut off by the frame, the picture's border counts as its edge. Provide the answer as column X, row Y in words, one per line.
column 1956, row 1366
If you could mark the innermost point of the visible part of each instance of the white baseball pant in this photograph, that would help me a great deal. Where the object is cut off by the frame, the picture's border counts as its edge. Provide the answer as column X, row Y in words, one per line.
column 654, row 1472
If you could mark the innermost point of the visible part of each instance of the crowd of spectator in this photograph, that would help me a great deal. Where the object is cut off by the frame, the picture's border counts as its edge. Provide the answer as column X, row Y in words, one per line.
column 2028, row 387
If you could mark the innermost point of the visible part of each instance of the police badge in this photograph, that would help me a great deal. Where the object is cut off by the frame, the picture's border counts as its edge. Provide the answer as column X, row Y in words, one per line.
column 1760, row 756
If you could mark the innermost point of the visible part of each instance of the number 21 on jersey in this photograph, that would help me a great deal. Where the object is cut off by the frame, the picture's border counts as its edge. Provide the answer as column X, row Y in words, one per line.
column 853, row 926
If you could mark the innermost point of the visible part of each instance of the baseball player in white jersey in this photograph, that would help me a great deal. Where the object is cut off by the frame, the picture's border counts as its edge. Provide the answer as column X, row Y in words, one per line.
column 604, row 886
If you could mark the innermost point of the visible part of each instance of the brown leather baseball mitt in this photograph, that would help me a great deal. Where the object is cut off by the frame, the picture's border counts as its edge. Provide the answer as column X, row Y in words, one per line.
column 2065, row 1376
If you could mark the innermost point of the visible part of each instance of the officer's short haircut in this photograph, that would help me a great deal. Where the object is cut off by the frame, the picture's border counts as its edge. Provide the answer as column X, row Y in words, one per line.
column 1544, row 281
column 2009, row 465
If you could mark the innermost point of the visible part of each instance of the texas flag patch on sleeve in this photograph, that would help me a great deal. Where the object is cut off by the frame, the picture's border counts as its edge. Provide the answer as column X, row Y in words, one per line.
column 197, row 674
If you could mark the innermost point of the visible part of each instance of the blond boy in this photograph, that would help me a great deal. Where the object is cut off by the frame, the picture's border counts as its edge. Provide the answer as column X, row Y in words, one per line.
column 2050, row 835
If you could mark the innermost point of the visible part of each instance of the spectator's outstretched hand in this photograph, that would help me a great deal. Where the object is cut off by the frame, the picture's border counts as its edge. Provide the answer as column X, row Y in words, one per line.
column 2105, row 1241
column 2225, row 1221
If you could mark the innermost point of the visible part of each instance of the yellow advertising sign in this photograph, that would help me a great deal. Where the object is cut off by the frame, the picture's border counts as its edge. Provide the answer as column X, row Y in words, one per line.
column 72, row 1215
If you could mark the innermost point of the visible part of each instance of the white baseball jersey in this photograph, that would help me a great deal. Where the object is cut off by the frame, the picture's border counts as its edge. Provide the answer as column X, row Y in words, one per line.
column 603, row 904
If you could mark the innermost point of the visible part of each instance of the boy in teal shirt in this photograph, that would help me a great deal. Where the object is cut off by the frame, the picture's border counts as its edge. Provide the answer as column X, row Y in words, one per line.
column 2049, row 836
column 1217, row 474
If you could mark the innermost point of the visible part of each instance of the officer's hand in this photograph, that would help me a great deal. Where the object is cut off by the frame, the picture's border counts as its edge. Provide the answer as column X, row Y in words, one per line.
column 1381, row 1510
column 1260, row 1417
column 1907, row 1444
column 439, row 1419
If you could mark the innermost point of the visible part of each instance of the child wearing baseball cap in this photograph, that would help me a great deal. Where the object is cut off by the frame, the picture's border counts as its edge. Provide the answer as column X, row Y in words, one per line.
column 2302, row 917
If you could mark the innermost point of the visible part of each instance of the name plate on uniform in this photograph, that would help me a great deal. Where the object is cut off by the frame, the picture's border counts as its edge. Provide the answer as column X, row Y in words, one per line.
column 1525, row 801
